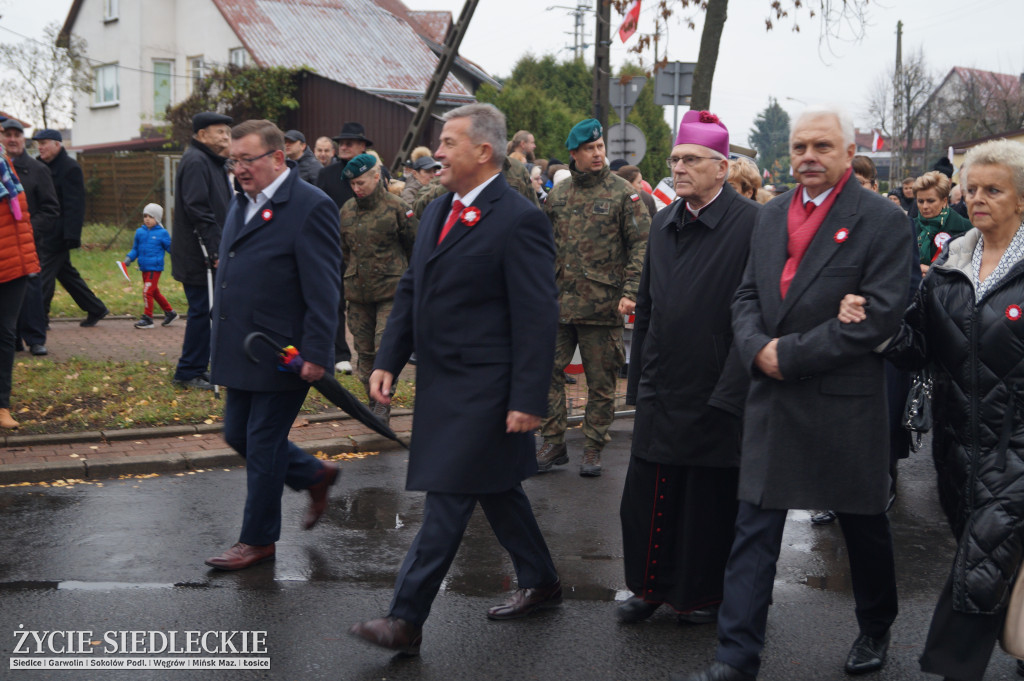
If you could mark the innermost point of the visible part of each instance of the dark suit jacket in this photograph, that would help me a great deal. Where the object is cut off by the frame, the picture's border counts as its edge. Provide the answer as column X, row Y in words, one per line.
column 280, row 274
column 70, row 185
column 684, row 378
column 481, row 311
column 40, row 193
column 819, row 438
column 202, row 197
column 329, row 179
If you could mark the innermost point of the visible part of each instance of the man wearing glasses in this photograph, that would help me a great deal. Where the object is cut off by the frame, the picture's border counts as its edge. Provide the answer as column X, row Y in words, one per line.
column 679, row 500
column 600, row 228
column 280, row 264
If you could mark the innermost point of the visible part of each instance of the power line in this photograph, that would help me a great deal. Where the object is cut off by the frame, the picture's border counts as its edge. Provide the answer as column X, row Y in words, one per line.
column 100, row 62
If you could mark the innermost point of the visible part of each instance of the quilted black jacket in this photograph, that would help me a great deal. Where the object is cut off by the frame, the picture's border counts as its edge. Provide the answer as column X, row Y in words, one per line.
column 977, row 352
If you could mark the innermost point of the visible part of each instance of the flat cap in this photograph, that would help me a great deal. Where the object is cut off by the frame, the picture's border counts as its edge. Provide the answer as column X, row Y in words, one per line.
column 47, row 134
column 295, row 136
column 208, row 118
column 363, row 163
column 425, row 163
column 11, row 124
column 584, row 132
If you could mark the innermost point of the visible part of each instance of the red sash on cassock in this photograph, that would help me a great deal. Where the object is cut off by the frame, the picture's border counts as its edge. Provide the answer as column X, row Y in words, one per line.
column 802, row 224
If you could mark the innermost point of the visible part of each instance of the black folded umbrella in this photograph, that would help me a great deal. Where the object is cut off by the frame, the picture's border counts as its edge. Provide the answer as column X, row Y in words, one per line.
column 291, row 360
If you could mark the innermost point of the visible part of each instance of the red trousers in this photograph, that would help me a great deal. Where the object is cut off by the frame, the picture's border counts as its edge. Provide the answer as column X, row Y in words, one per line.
column 151, row 292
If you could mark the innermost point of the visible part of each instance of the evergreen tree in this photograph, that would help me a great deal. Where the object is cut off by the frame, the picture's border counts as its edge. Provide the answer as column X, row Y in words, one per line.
column 770, row 136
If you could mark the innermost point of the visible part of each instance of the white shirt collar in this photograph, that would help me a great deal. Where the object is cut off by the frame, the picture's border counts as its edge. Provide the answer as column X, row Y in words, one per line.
column 254, row 204
column 696, row 211
column 817, row 200
column 471, row 195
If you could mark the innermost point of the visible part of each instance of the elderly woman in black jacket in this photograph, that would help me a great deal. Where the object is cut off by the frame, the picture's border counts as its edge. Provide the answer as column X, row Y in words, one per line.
column 967, row 324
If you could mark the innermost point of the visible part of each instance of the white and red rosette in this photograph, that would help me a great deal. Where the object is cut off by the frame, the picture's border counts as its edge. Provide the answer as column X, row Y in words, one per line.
column 842, row 235
column 470, row 216
column 266, row 214
column 1013, row 313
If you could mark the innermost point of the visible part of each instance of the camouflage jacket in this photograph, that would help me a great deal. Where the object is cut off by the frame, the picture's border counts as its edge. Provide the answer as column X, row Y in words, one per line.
column 515, row 174
column 377, row 234
column 601, row 228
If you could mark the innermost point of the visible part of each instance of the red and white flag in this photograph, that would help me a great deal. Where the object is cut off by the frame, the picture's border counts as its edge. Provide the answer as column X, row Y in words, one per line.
column 877, row 142
column 766, row 174
column 629, row 22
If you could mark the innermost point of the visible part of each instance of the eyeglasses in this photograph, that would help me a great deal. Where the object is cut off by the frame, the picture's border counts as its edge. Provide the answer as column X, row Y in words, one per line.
column 233, row 163
column 688, row 161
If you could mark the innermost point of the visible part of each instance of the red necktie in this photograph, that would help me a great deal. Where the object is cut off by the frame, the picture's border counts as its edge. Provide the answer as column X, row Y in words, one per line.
column 452, row 217
column 809, row 207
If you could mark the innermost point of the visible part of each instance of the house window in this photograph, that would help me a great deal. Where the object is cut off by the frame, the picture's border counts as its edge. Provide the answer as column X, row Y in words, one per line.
column 110, row 10
column 197, row 71
column 236, row 56
column 163, row 73
column 107, row 90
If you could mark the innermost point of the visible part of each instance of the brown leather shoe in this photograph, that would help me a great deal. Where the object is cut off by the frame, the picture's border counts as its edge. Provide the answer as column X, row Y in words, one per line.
column 241, row 556
column 318, row 494
column 391, row 633
column 524, row 601
column 6, row 420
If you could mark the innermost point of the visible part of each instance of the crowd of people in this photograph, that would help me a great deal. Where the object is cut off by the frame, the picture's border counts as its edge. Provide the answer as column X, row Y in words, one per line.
column 775, row 335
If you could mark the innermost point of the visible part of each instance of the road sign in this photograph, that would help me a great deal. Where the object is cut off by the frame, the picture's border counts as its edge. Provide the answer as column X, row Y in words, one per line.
column 673, row 84
column 622, row 94
column 626, row 141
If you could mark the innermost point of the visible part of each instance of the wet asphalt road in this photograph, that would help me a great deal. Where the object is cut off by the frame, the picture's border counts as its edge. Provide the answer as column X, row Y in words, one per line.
column 128, row 555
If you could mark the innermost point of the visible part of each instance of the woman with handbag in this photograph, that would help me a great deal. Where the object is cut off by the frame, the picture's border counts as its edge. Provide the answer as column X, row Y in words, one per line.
column 967, row 324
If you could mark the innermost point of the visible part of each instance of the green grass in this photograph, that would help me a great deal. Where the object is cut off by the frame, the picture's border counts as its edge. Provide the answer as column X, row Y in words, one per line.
column 102, row 245
column 82, row 395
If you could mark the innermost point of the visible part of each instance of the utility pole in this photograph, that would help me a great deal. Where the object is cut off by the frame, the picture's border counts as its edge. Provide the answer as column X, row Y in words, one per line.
column 900, row 143
column 602, row 67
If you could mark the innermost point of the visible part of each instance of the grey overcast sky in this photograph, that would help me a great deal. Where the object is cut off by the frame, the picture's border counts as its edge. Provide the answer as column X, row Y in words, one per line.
column 753, row 64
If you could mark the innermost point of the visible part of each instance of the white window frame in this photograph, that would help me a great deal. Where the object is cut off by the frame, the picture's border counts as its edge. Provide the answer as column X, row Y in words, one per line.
column 196, row 70
column 111, row 10
column 237, row 56
column 98, row 101
column 159, row 113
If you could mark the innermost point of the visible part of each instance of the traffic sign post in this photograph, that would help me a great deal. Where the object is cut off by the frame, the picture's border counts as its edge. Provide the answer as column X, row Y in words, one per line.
column 673, row 86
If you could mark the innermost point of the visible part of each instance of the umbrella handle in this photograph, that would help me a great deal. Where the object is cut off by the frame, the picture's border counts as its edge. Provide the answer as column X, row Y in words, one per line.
column 290, row 359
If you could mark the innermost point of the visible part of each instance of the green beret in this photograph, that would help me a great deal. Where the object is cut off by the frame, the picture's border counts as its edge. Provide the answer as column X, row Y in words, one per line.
column 583, row 132
column 363, row 163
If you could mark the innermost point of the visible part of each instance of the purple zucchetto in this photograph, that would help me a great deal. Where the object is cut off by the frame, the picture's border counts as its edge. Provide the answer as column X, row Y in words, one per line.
column 704, row 128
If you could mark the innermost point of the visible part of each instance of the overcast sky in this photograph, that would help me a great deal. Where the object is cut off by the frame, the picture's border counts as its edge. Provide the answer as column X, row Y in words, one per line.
column 753, row 64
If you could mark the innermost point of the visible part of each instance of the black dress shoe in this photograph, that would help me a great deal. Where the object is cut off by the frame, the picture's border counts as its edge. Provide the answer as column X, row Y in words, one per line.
column 718, row 671
column 635, row 610
column 391, row 633
column 823, row 517
column 91, row 319
column 39, row 350
column 524, row 601
column 867, row 654
column 699, row 616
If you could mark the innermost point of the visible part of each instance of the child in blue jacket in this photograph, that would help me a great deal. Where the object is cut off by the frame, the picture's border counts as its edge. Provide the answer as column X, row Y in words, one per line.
column 151, row 241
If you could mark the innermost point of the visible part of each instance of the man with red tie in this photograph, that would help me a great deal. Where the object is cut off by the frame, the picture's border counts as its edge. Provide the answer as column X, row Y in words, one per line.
column 479, row 306
column 815, row 431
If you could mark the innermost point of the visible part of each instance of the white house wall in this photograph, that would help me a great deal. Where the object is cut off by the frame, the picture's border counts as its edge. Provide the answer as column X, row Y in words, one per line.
column 145, row 30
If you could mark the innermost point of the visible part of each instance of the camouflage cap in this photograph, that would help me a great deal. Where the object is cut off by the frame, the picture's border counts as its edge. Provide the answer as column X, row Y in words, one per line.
column 583, row 132
column 363, row 163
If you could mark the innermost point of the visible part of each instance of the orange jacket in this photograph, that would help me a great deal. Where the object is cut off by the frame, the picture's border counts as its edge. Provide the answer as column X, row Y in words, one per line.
column 17, row 247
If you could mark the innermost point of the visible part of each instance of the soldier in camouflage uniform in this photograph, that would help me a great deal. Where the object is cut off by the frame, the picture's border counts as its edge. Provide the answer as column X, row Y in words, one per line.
column 516, row 174
column 377, row 233
column 600, row 228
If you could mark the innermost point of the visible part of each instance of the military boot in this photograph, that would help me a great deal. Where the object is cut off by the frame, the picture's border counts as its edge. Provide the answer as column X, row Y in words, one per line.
column 549, row 455
column 590, row 467
column 381, row 411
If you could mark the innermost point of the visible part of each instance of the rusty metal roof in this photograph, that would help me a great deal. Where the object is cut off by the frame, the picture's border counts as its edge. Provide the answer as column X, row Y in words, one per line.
column 434, row 25
column 355, row 42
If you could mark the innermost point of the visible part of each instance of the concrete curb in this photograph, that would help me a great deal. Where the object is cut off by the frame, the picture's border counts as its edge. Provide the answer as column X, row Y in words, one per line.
column 117, row 435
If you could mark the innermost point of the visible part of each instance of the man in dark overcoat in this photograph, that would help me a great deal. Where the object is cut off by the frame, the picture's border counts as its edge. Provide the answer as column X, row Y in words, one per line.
column 479, row 306
column 55, row 247
column 679, row 500
column 202, row 195
column 280, row 260
column 44, row 209
column 815, row 432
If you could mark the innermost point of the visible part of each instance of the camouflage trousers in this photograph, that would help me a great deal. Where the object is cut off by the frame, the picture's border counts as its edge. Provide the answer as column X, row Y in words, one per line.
column 602, row 355
column 366, row 321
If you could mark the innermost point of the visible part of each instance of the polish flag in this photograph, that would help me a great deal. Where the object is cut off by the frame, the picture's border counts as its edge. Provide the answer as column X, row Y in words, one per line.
column 665, row 192
column 629, row 22
column 877, row 142
column 766, row 174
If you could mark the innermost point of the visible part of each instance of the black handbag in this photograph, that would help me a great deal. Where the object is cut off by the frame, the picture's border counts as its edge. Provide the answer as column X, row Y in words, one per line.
column 917, row 414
